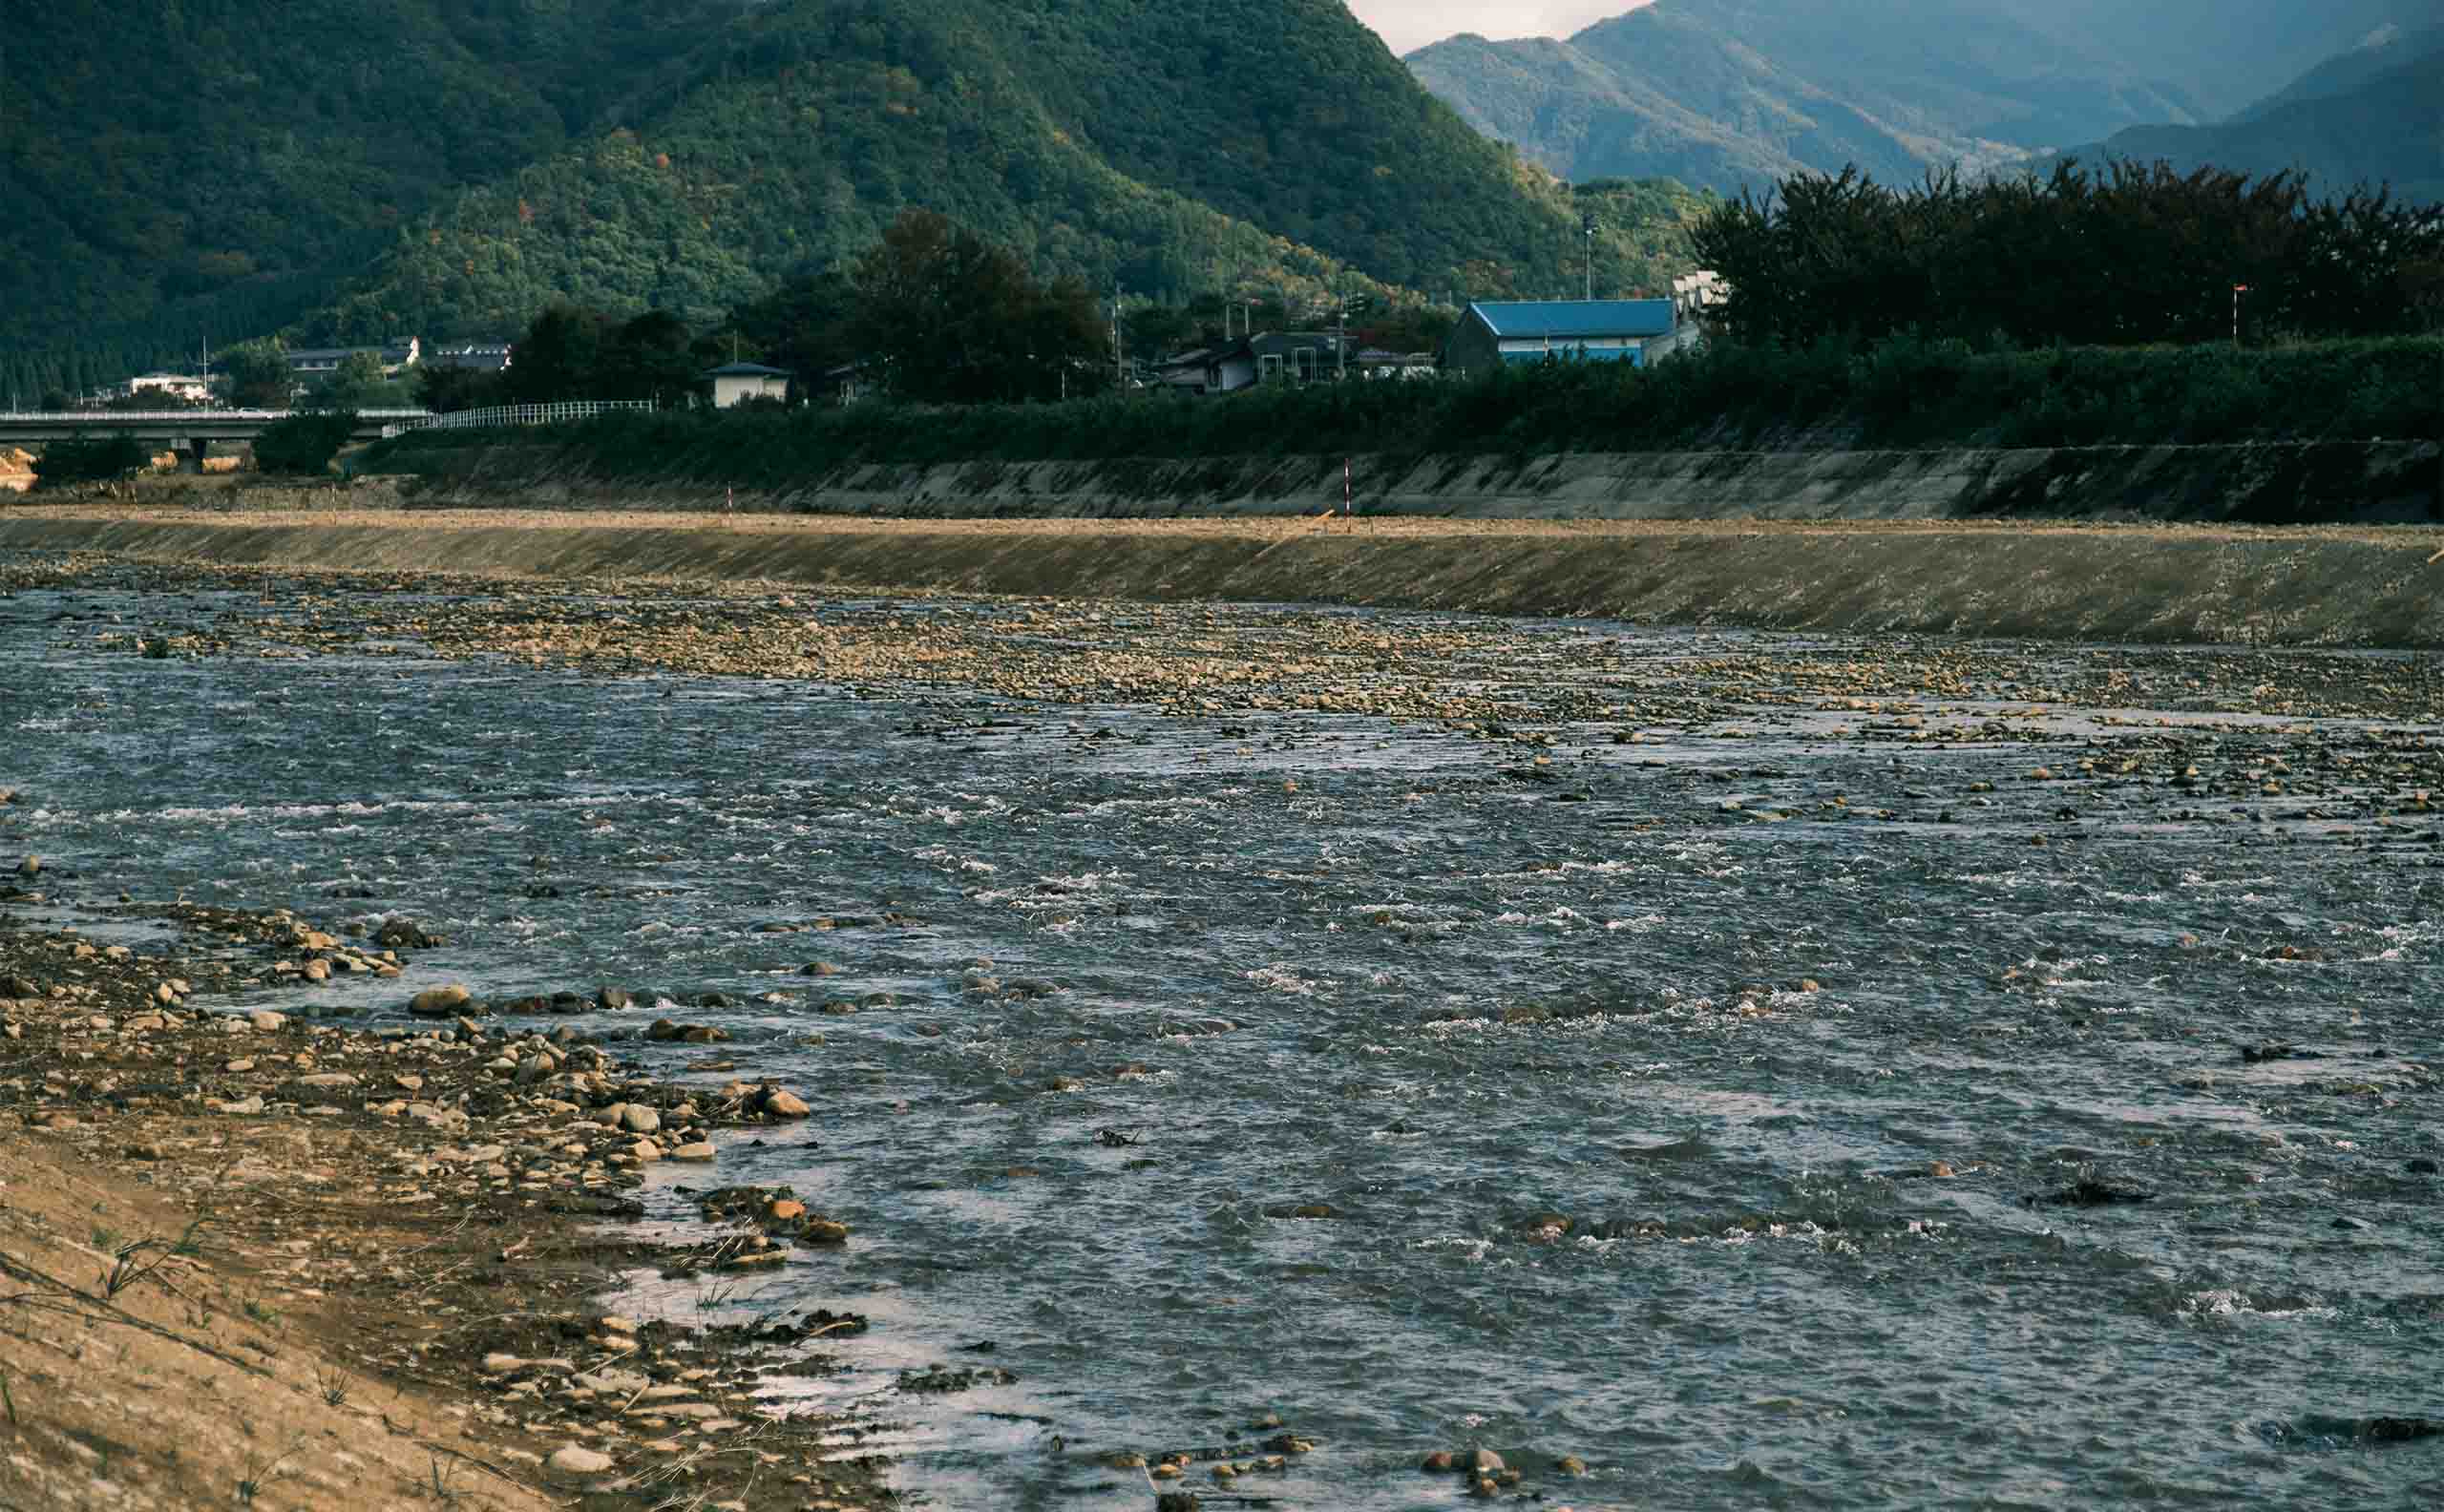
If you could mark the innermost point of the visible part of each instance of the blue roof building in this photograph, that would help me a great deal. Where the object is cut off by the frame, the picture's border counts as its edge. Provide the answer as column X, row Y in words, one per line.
column 1513, row 333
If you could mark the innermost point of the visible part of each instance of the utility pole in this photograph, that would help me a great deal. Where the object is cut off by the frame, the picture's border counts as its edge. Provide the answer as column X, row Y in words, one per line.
column 2238, row 289
column 1119, row 359
column 1589, row 226
column 1340, row 343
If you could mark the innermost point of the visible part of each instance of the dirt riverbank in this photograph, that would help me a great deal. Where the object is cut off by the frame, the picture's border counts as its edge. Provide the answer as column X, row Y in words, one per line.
column 260, row 1258
column 2333, row 586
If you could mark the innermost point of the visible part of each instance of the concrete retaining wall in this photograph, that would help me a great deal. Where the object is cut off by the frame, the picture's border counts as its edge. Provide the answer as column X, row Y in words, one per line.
column 2325, row 482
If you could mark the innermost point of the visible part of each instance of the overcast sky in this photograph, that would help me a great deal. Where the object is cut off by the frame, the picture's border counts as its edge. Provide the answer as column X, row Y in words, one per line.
column 1411, row 23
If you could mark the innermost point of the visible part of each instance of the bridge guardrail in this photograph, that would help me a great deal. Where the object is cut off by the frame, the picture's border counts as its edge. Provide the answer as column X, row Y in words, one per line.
column 524, row 414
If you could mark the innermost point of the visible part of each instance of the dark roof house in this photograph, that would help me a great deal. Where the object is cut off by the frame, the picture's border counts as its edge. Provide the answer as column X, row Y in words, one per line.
column 394, row 356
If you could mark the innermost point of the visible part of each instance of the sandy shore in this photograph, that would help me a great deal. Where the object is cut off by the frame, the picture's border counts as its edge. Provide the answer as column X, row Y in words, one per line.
column 2339, row 586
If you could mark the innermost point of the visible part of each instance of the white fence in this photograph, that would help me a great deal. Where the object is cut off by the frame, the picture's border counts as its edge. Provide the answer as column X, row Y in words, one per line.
column 525, row 415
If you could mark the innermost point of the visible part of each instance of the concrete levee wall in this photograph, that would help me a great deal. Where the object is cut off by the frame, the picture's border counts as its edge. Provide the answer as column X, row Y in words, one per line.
column 2286, row 483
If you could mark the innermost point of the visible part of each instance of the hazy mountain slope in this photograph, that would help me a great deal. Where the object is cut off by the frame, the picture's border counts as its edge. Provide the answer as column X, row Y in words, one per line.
column 1574, row 114
column 2352, row 70
column 2390, row 129
column 1722, row 92
column 2224, row 53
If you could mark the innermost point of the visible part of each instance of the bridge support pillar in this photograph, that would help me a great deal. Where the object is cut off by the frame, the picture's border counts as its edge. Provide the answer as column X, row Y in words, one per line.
column 192, row 453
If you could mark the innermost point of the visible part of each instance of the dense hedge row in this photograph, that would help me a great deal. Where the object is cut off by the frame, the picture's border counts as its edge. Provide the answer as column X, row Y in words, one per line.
column 1904, row 393
column 90, row 460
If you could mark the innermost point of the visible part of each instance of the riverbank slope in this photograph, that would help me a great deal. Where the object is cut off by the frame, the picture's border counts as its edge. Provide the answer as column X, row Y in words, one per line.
column 2329, row 586
column 2258, row 483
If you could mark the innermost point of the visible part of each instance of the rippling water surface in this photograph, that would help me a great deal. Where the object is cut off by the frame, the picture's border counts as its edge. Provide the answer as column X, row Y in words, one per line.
column 1691, row 1144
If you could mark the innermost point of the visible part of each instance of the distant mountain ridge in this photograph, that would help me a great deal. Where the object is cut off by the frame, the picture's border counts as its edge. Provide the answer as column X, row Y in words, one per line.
column 2391, row 47
column 2223, row 53
column 1727, row 93
column 2374, row 116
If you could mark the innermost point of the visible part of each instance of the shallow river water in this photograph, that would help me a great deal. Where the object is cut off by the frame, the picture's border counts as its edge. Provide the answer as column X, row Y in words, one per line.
column 1374, row 1077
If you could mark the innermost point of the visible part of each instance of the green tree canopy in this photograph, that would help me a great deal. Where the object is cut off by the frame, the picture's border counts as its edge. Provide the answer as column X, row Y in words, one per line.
column 258, row 377
column 2131, row 255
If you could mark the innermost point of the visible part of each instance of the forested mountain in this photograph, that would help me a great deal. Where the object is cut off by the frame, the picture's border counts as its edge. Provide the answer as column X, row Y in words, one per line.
column 177, row 171
column 2372, row 116
column 1725, row 92
column 446, row 166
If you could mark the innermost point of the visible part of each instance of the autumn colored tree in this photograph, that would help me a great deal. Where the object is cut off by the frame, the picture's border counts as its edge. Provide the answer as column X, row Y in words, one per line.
column 941, row 315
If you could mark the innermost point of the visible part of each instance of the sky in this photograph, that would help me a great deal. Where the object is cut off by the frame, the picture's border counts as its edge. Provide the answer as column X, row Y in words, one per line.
column 1411, row 23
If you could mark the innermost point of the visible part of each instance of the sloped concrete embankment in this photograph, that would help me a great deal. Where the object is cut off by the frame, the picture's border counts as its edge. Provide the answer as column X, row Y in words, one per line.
column 2350, row 588
column 2360, row 482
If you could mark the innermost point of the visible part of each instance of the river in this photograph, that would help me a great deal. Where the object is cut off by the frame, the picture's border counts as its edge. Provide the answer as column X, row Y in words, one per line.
column 1697, row 1105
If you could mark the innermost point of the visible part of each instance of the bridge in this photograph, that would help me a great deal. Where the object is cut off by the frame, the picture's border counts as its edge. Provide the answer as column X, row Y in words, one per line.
column 189, row 432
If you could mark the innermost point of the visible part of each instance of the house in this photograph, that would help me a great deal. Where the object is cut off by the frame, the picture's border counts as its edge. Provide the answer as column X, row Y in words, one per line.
column 1694, row 294
column 1190, row 372
column 171, row 386
column 1527, row 332
column 319, row 362
column 852, row 382
column 736, row 383
column 488, row 357
column 1300, row 357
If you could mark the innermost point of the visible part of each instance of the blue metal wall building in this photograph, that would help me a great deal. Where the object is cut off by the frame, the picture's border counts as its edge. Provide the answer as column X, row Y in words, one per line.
column 1527, row 332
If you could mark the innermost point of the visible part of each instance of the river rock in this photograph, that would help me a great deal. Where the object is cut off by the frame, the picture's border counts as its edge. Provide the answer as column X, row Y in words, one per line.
column 784, row 1105
column 575, row 1460
column 403, row 934
column 611, row 999
column 638, row 1119
column 266, row 1021
column 698, row 1150
column 440, row 1003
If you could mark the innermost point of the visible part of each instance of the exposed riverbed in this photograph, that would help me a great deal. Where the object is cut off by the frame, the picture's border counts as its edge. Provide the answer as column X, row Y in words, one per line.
column 1774, row 1070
